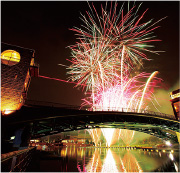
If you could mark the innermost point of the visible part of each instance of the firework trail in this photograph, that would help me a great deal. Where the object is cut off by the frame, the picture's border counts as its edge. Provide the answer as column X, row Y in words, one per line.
column 109, row 50
column 107, row 56
column 114, row 98
column 152, row 75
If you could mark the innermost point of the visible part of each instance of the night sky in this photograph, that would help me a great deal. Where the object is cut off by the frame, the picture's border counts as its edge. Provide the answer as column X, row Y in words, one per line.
column 44, row 27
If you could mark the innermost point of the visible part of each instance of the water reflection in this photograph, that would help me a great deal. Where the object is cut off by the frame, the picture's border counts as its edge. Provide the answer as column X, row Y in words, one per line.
column 94, row 165
column 131, row 163
column 109, row 164
column 119, row 159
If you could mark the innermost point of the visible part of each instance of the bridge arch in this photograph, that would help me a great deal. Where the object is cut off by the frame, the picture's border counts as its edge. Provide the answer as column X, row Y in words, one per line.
column 52, row 120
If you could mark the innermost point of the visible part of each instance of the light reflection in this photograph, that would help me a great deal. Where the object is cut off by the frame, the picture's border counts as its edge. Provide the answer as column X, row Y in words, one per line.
column 108, row 134
column 171, row 156
column 176, row 167
column 95, row 163
column 130, row 162
column 127, row 164
column 109, row 164
column 113, row 159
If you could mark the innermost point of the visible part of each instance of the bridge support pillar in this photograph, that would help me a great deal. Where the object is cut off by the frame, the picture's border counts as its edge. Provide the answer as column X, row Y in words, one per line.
column 178, row 136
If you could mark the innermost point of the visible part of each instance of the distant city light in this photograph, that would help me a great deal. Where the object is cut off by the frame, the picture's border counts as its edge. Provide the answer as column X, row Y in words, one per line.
column 168, row 143
column 12, row 137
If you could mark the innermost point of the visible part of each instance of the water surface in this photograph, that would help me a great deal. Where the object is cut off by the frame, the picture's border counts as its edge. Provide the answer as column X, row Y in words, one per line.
column 84, row 159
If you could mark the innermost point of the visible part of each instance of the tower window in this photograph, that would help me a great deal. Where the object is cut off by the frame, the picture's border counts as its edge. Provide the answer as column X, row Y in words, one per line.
column 10, row 57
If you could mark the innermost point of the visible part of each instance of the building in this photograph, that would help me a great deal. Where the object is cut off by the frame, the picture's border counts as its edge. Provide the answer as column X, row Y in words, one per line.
column 175, row 102
column 17, row 68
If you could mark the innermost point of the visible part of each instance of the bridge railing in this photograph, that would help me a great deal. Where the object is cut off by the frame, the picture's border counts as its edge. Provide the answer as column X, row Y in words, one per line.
column 17, row 161
column 141, row 111
column 88, row 108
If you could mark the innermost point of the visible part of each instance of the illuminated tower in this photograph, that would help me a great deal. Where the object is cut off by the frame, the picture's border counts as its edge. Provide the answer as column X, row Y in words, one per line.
column 175, row 102
column 17, row 68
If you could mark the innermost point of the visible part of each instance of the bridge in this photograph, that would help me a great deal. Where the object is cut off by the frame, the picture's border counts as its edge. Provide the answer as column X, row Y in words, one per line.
column 56, row 118
column 45, row 119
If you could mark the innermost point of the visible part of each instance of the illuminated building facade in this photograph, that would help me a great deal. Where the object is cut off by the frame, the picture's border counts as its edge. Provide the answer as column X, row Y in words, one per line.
column 17, row 68
column 175, row 102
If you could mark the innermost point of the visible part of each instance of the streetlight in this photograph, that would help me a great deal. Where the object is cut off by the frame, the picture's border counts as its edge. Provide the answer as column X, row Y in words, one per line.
column 168, row 143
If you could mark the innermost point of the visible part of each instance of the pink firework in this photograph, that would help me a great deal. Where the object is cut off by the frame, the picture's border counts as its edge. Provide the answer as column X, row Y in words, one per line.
column 107, row 55
column 130, row 97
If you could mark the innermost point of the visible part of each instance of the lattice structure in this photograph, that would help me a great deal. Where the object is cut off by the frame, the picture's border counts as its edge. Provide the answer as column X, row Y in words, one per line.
column 15, row 79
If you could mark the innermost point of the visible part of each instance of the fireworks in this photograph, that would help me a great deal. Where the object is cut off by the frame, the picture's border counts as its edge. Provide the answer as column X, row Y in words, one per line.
column 106, row 60
column 107, row 56
column 130, row 98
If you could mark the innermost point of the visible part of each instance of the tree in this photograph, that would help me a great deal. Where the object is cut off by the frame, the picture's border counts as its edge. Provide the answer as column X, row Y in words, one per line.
column 87, row 141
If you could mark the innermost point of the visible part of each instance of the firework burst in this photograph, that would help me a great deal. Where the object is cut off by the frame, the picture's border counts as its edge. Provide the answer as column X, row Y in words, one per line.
column 109, row 50
column 129, row 98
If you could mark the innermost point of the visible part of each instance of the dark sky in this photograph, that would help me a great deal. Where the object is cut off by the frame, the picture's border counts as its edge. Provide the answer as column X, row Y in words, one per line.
column 44, row 27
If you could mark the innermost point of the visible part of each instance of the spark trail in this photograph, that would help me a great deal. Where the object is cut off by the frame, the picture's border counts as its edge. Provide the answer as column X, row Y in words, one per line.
column 109, row 50
column 106, row 58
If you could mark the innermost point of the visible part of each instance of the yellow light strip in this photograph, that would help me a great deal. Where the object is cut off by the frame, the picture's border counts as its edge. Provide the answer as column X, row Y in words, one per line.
column 177, row 95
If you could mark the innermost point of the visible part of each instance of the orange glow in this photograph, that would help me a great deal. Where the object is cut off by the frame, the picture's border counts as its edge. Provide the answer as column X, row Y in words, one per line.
column 10, row 57
column 9, row 106
column 6, row 112
column 11, row 94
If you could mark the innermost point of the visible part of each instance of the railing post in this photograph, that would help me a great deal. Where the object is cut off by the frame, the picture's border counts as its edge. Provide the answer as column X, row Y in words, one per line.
column 13, row 163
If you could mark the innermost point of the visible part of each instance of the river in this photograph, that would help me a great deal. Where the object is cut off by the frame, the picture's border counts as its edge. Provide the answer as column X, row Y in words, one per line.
column 89, row 159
